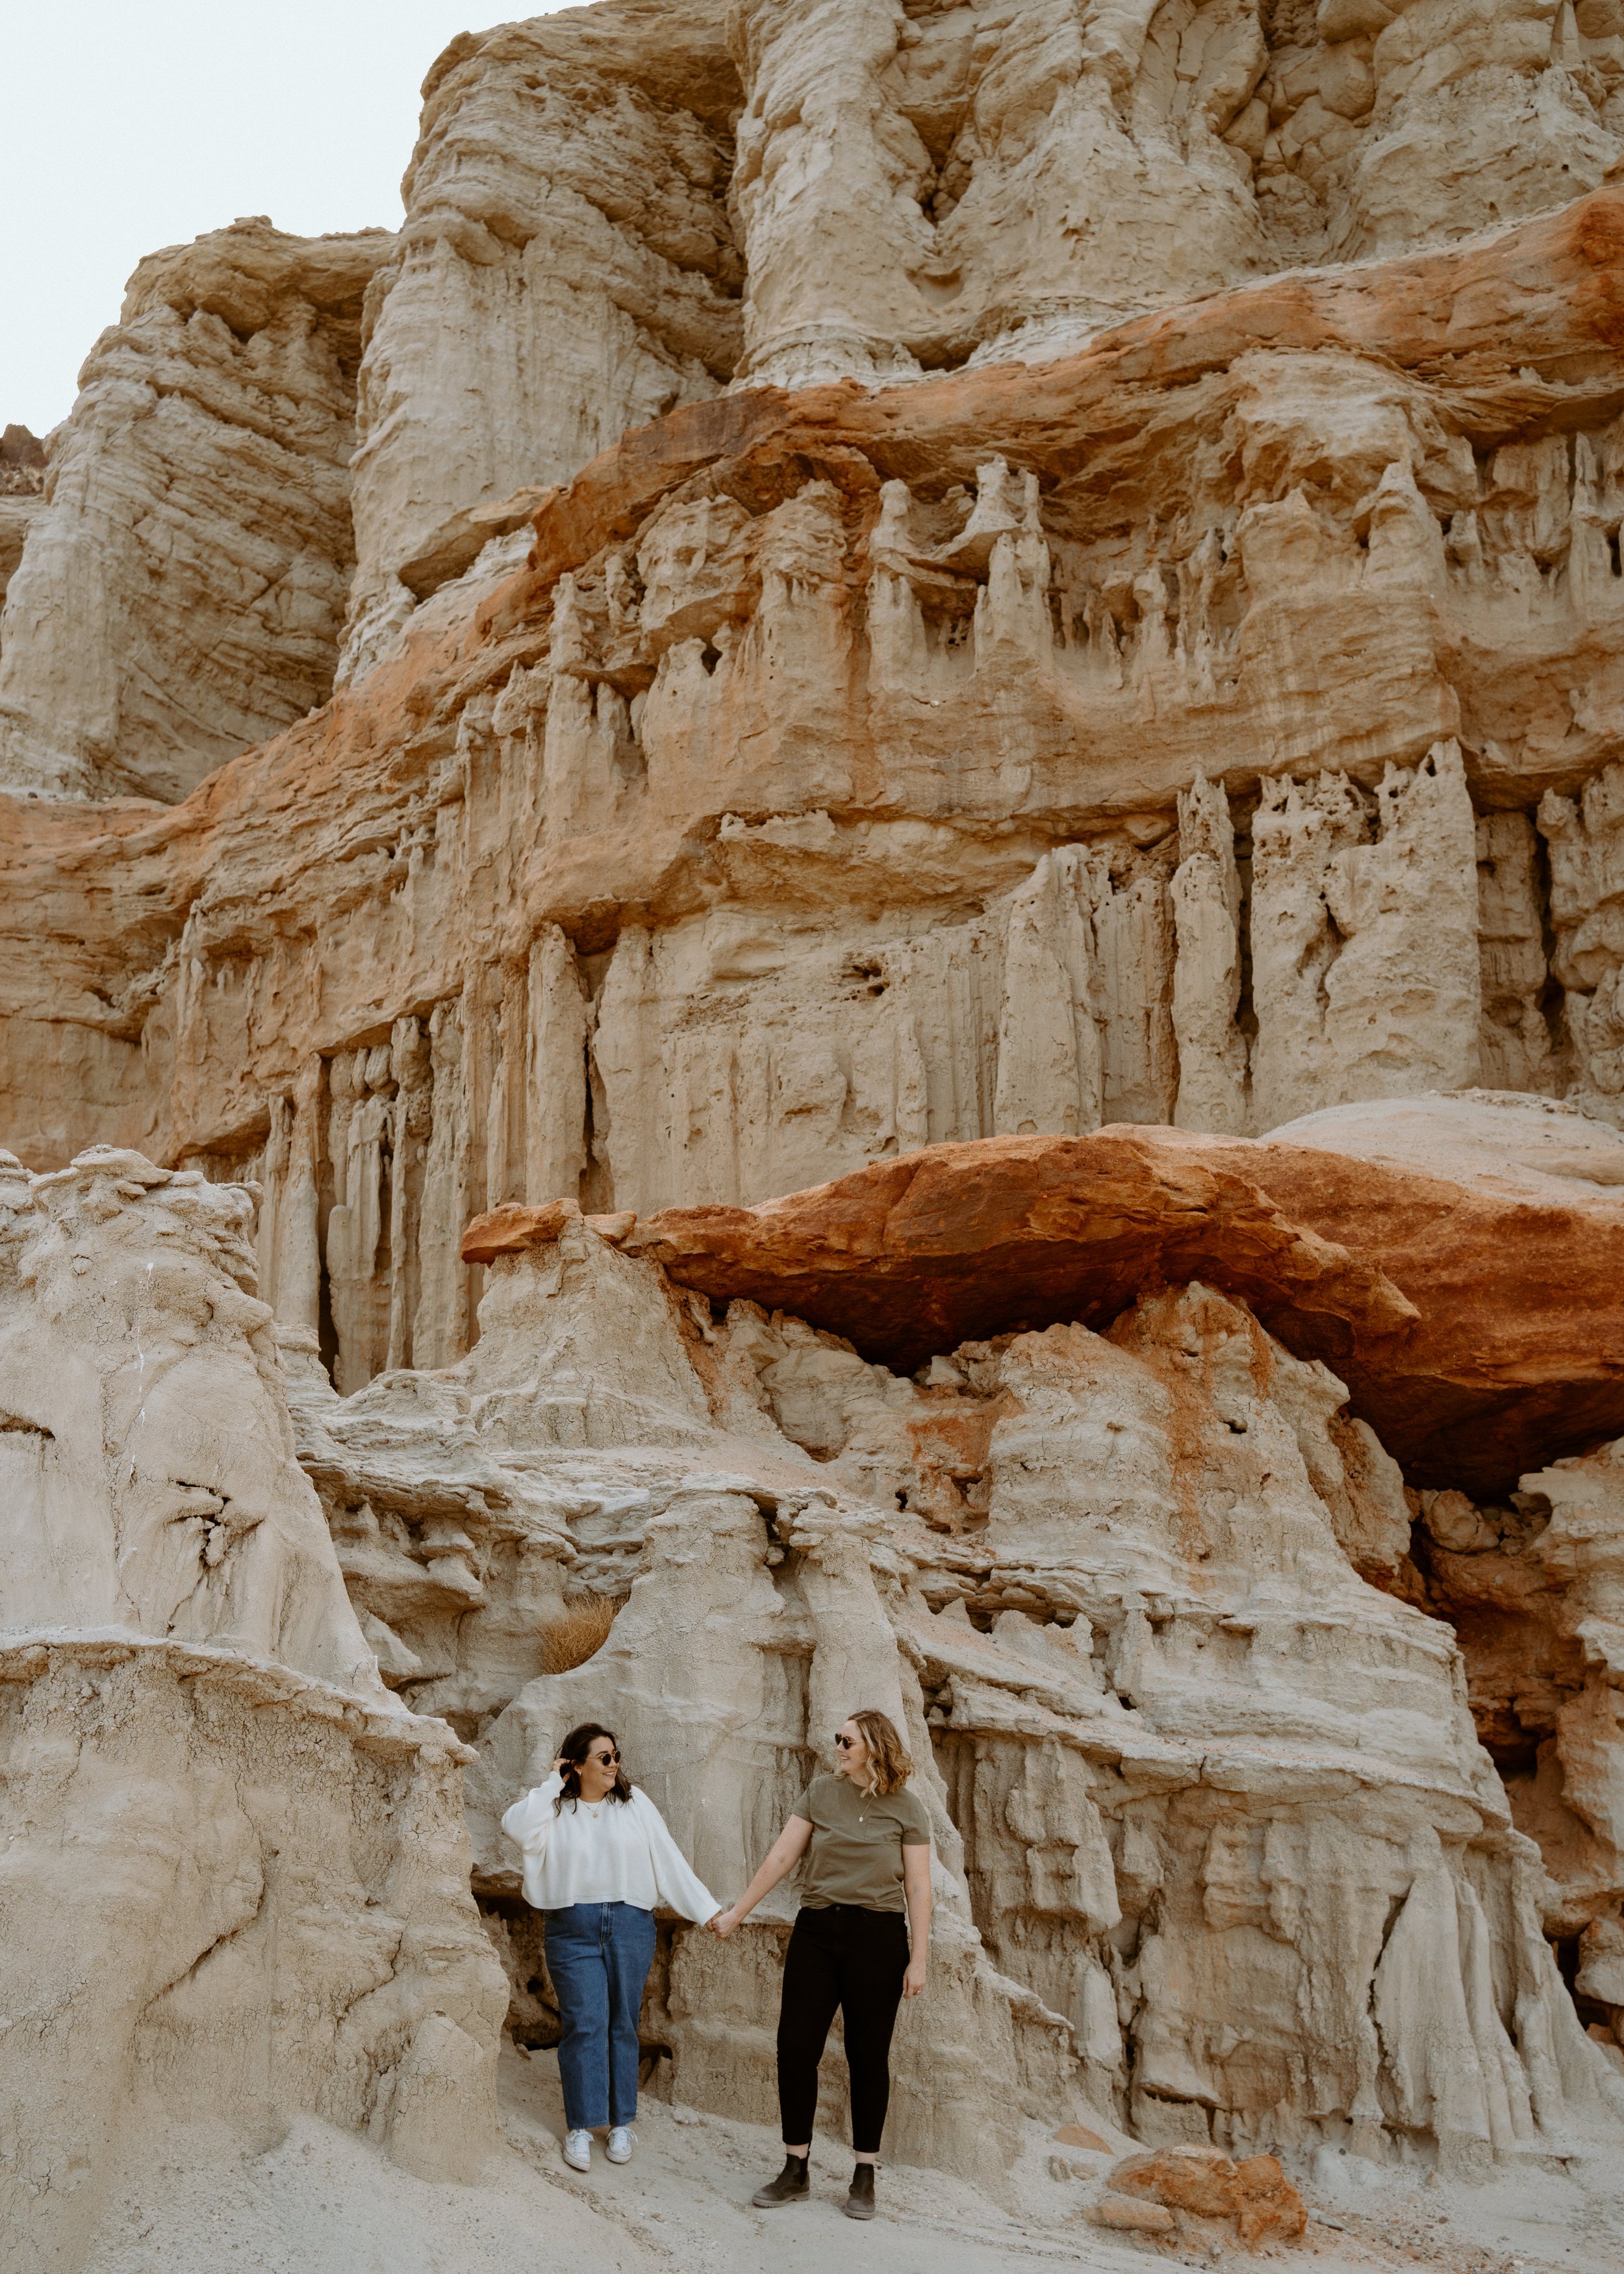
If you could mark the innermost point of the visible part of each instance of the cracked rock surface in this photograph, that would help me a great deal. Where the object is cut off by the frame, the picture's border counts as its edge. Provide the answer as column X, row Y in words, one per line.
column 824, row 904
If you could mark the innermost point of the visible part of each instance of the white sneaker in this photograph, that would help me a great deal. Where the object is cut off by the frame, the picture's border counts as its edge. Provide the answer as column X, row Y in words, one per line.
column 578, row 2150
column 622, row 2140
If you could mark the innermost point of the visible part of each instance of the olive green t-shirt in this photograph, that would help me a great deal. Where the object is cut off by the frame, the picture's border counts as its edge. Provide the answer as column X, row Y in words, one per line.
column 855, row 1855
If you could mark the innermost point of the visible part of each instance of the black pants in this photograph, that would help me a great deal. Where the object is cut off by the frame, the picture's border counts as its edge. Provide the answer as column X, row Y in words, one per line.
column 855, row 1960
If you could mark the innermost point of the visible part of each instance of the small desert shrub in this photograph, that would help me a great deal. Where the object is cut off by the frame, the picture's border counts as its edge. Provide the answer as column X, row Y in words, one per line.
column 580, row 1628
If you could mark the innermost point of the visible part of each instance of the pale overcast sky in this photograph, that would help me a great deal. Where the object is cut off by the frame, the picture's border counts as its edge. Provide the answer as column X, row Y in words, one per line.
column 134, row 123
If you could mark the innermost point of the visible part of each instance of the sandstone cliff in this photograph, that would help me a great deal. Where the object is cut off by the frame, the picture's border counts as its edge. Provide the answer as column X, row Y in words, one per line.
column 182, row 593
column 928, row 696
column 235, row 1872
column 782, row 817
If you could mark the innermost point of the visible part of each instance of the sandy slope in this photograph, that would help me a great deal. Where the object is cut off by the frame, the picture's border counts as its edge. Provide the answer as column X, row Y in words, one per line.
column 321, row 2202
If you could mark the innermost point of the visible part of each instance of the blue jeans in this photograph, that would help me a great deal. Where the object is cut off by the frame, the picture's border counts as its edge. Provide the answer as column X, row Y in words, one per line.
column 599, row 1955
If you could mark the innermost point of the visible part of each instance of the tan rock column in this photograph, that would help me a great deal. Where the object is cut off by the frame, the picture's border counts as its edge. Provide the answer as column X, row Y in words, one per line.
column 566, row 272
column 555, row 1119
column 440, row 1337
column 1586, row 838
column 409, row 1125
column 357, row 1292
column 1404, row 996
column 299, row 1244
column 1515, row 1041
column 1048, row 1046
column 1207, row 976
column 827, row 182
column 1366, row 970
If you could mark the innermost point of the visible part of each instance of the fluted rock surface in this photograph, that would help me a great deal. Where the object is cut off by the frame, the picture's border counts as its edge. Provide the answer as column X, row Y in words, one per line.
column 1110, row 1582
column 183, row 587
column 943, row 694
column 568, row 270
column 829, row 787
column 235, row 1872
column 633, row 206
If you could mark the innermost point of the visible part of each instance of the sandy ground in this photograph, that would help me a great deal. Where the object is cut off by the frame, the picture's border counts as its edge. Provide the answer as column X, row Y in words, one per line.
column 322, row 2203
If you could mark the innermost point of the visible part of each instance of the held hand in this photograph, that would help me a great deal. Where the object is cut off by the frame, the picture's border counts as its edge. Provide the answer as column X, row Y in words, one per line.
column 913, row 1980
column 722, row 1923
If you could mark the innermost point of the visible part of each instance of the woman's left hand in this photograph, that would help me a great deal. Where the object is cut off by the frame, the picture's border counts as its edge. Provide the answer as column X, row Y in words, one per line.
column 913, row 1980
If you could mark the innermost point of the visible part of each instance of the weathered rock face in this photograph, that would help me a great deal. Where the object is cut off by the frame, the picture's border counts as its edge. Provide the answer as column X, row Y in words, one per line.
column 236, row 1877
column 921, row 186
column 800, row 808
column 634, row 205
column 184, row 582
column 628, row 207
column 1109, row 1583
column 151, row 1482
column 1005, row 622
column 567, row 270
column 1479, row 1328
column 1532, row 1586
column 22, row 477
column 915, row 188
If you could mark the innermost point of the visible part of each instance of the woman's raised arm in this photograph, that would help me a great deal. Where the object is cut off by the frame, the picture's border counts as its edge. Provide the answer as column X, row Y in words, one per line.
column 529, row 1823
column 782, row 1858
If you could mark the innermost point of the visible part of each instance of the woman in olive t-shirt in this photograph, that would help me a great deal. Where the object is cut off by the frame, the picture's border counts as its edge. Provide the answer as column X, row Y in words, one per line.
column 865, row 1900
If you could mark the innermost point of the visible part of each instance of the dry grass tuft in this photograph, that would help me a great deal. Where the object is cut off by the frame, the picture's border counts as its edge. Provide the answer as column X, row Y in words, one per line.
column 581, row 1628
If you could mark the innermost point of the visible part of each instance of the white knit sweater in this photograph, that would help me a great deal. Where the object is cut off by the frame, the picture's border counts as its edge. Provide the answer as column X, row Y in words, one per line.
column 615, row 1851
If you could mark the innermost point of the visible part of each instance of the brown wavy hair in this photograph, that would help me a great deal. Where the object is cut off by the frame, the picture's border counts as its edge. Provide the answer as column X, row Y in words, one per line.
column 572, row 1752
column 890, row 1764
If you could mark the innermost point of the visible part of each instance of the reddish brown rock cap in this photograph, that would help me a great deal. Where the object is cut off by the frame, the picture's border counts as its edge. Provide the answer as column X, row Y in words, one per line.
column 1481, row 1334
column 510, row 1228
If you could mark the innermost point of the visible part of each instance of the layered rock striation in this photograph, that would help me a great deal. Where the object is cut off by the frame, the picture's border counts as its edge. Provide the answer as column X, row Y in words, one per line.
column 830, row 786
column 182, row 593
column 1220, row 1857
column 925, row 700
column 236, row 1880
column 628, row 207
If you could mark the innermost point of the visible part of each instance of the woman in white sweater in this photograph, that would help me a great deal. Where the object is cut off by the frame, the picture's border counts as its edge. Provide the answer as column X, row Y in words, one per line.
column 597, row 1857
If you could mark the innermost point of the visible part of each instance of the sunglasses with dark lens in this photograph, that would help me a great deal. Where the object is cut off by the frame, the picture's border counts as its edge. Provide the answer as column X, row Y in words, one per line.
column 845, row 1744
column 605, row 1760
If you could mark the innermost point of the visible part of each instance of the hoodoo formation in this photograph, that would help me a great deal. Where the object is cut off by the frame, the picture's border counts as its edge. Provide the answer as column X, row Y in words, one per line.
column 825, row 906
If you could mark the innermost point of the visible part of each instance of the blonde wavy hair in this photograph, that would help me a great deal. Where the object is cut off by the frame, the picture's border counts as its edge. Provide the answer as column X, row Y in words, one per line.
column 890, row 1764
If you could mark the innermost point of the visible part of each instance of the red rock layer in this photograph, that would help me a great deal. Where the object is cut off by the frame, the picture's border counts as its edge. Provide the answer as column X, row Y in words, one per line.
column 1554, row 282
column 1481, row 1335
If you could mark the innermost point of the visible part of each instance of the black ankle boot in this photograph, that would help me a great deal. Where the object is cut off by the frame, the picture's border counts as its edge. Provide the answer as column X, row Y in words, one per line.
column 860, row 2203
column 790, row 2185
